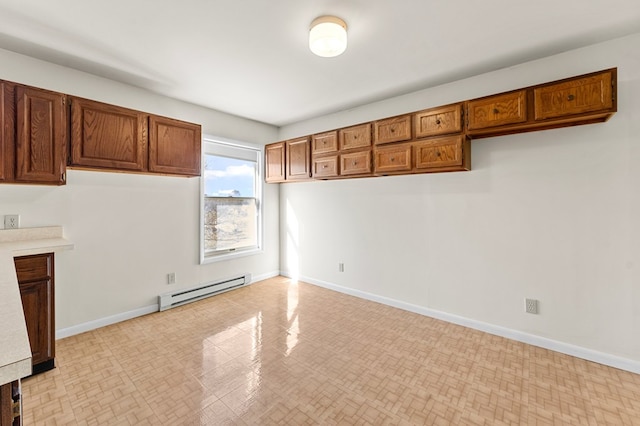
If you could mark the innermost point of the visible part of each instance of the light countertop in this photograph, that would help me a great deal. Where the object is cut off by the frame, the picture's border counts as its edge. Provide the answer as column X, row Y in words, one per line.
column 15, row 351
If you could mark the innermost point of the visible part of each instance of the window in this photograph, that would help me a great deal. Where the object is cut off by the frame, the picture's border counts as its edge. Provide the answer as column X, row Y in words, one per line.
column 231, row 200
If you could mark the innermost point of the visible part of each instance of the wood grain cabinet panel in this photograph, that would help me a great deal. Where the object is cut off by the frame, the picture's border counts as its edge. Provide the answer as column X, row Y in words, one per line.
column 355, row 137
column 36, row 282
column 325, row 167
column 394, row 158
column 107, row 136
column 275, row 162
column 324, row 143
column 499, row 110
column 7, row 131
column 355, row 163
column 577, row 96
column 41, row 136
column 175, row 147
column 438, row 121
column 395, row 129
column 298, row 159
column 449, row 153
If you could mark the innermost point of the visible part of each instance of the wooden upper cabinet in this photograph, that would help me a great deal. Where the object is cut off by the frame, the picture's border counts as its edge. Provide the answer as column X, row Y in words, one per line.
column 298, row 158
column 41, row 136
column 448, row 153
column 7, row 131
column 355, row 137
column 395, row 129
column 355, row 163
column 325, row 167
column 438, row 121
column 499, row 110
column 575, row 96
column 107, row 136
column 393, row 159
column 174, row 146
column 274, row 162
column 324, row 143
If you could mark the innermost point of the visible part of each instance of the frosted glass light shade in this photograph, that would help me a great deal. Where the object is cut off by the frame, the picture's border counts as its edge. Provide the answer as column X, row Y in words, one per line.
column 328, row 36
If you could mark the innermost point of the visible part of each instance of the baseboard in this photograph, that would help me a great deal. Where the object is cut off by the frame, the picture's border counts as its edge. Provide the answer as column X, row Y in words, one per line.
column 102, row 322
column 113, row 319
column 554, row 345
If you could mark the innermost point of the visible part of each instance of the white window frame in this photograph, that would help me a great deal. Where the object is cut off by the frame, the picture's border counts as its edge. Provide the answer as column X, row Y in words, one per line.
column 224, row 148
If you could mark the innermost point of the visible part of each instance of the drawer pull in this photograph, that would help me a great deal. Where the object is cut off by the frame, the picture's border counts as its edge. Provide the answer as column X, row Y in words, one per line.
column 355, row 163
column 324, row 166
column 393, row 129
column 570, row 97
column 438, row 121
column 393, row 158
column 437, row 153
column 496, row 111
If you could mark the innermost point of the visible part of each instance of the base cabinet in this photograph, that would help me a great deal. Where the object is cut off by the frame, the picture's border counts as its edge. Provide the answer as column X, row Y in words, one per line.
column 10, row 404
column 36, row 282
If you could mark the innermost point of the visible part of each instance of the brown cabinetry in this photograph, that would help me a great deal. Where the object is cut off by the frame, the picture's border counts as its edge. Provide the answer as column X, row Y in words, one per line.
column 443, row 154
column 298, row 159
column 325, row 167
column 107, row 136
column 36, row 282
column 356, row 163
column 438, row 121
column 174, row 146
column 10, row 404
column 355, row 137
column 324, row 143
column 508, row 108
column 110, row 137
column 274, row 162
column 395, row 129
column 34, row 135
column 393, row 159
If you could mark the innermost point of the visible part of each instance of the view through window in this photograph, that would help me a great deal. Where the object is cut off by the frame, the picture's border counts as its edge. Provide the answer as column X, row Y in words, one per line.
column 231, row 199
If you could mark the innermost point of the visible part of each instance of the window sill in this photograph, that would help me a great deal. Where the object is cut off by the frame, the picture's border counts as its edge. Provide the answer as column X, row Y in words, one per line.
column 212, row 258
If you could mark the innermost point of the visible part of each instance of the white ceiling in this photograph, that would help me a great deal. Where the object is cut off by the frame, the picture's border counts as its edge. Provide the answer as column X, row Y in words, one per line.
column 251, row 58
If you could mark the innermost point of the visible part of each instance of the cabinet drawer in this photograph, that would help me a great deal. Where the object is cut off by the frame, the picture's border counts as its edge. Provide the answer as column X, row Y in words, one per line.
column 395, row 129
column 36, row 267
column 587, row 94
column 325, row 167
column 508, row 108
column 324, row 143
column 355, row 163
column 355, row 137
column 438, row 121
column 436, row 153
column 395, row 158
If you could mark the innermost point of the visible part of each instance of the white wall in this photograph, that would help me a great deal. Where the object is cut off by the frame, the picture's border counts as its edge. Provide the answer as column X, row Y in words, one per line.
column 550, row 215
column 129, row 230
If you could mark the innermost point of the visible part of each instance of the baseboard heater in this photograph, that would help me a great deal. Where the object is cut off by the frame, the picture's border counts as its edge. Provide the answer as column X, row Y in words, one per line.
column 184, row 296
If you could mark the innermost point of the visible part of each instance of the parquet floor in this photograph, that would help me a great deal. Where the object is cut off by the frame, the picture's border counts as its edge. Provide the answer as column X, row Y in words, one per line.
column 277, row 352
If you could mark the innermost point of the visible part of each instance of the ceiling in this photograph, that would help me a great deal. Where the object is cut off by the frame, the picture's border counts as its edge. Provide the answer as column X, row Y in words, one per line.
column 251, row 57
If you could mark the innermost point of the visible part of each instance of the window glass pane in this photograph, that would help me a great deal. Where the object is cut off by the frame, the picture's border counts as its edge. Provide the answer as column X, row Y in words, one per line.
column 230, row 223
column 229, row 177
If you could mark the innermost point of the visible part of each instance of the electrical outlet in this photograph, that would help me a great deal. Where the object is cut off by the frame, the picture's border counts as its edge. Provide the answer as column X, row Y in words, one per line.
column 531, row 306
column 171, row 278
column 11, row 221
column 340, row 267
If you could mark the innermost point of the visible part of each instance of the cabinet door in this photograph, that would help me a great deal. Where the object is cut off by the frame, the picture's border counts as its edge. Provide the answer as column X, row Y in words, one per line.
column 441, row 153
column 274, row 159
column 36, row 282
column 174, row 146
column 396, row 158
column 324, row 143
column 355, row 137
column 499, row 110
column 298, row 159
column 576, row 96
column 395, row 129
column 355, row 163
column 36, row 303
column 325, row 167
column 438, row 121
column 7, row 131
column 107, row 136
column 41, row 136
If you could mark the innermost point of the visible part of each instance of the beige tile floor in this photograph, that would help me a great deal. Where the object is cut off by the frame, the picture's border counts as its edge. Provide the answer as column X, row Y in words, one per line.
column 277, row 352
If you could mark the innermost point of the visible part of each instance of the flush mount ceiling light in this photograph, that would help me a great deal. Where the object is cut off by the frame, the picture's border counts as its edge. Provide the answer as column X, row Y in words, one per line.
column 328, row 36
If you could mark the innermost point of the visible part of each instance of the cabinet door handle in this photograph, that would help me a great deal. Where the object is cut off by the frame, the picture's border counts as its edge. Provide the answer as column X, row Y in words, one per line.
column 324, row 166
column 438, row 121
column 393, row 159
column 570, row 97
column 496, row 111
